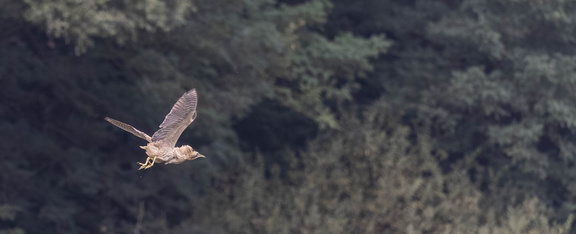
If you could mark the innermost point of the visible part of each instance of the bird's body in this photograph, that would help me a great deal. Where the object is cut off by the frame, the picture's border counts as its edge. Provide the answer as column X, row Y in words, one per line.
column 174, row 155
column 161, row 146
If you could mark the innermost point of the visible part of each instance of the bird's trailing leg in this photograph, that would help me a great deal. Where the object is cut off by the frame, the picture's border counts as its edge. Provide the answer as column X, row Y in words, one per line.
column 148, row 164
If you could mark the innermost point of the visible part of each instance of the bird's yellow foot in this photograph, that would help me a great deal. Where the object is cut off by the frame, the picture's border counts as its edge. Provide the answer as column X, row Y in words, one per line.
column 148, row 164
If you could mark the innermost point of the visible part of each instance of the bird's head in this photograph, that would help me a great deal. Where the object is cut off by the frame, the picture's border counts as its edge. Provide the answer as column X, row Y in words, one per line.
column 190, row 153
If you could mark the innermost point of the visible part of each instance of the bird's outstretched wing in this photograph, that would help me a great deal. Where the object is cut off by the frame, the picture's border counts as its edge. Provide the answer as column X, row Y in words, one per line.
column 181, row 115
column 129, row 128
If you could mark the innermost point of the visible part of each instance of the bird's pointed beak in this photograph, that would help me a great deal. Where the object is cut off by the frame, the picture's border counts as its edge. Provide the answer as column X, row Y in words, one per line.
column 201, row 156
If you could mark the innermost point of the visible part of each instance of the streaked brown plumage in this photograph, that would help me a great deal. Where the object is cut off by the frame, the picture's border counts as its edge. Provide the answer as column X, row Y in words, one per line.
column 161, row 146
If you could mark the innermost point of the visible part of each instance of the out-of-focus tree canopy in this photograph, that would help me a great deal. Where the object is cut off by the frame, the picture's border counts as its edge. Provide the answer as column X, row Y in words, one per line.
column 316, row 116
column 493, row 77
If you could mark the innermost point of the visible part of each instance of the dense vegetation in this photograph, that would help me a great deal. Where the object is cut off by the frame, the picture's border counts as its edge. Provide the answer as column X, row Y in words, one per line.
column 316, row 116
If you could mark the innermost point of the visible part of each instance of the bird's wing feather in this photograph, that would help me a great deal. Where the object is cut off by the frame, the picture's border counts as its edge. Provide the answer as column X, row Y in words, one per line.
column 129, row 128
column 181, row 115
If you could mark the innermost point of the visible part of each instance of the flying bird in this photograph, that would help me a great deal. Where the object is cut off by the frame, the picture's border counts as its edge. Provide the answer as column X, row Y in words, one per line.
column 161, row 146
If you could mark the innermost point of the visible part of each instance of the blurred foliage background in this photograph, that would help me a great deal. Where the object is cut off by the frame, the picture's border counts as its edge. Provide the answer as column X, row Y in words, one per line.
column 316, row 116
